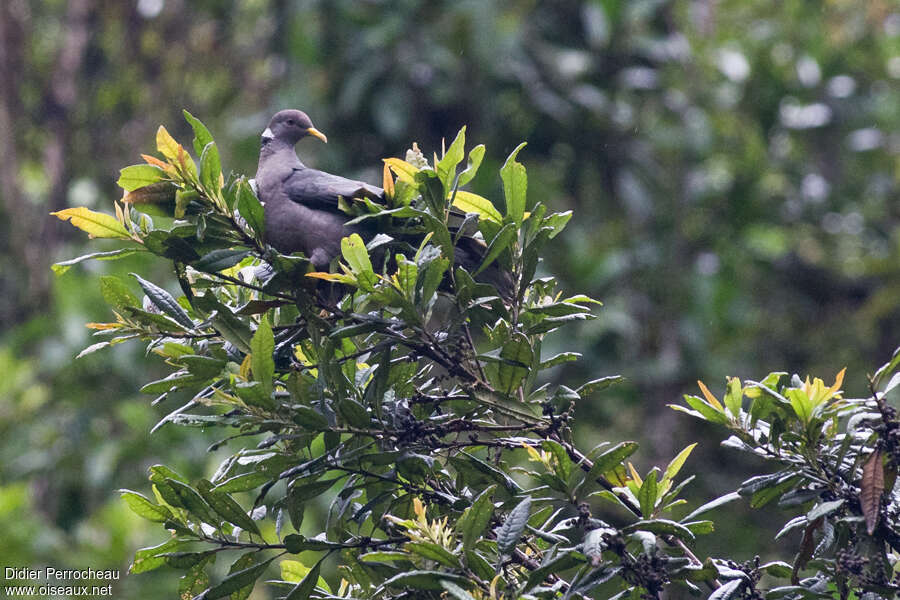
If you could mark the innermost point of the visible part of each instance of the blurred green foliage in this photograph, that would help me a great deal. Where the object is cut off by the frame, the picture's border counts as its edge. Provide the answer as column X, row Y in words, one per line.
column 734, row 167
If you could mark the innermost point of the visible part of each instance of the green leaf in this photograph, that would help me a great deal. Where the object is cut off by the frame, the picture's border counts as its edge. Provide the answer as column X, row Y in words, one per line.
column 476, row 155
column 823, row 509
column 141, row 506
column 728, row 590
column 261, row 347
column 164, row 301
column 138, row 176
column 425, row 580
column 561, row 562
column 313, row 488
column 432, row 551
column 306, row 586
column 455, row 591
column 661, row 527
column 232, row 329
column 296, row 543
column 501, row 242
column 700, row 527
column 446, row 167
column 202, row 136
column 309, row 418
column 63, row 266
column 766, row 494
column 598, row 384
column 243, row 482
column 147, row 559
column 194, row 581
column 647, row 493
column 611, row 459
column 166, row 144
column 562, row 357
column 159, row 474
column 510, row 531
column 116, row 293
column 515, row 186
column 238, row 580
column 95, row 224
column 476, row 518
column 170, row 245
column 354, row 413
column 515, row 363
column 250, row 208
column 557, row 222
column 886, row 369
column 384, row 556
column 801, row 403
column 733, row 396
column 353, row 249
column 479, row 565
column 210, row 168
column 677, row 462
column 731, row 497
column 218, row 260
column 192, row 501
column 185, row 560
column 703, row 410
column 473, row 203
column 226, row 507
column 563, row 464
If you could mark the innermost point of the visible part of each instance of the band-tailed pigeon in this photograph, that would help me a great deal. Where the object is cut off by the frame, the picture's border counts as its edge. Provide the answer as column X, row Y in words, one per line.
column 302, row 205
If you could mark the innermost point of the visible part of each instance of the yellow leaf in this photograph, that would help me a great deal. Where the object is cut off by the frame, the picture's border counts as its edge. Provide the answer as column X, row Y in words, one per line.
column 838, row 382
column 533, row 454
column 709, row 397
column 388, row 183
column 103, row 326
column 96, row 224
column 245, row 367
column 166, row 144
column 473, row 203
column 405, row 171
column 301, row 357
column 338, row 277
column 419, row 510
column 634, row 474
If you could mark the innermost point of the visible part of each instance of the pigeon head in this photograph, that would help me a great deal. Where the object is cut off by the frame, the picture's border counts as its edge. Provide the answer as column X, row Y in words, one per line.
column 291, row 126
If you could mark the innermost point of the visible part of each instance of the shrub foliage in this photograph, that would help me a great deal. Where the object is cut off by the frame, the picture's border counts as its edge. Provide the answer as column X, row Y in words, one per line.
column 398, row 401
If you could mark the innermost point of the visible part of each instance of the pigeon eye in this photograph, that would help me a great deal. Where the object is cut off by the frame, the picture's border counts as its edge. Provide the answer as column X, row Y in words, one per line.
column 290, row 121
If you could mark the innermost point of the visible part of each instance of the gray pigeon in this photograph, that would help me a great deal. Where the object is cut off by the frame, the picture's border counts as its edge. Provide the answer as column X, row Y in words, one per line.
column 301, row 204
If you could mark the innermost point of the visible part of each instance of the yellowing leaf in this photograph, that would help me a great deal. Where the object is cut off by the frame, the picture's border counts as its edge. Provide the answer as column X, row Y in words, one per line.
column 634, row 474
column 473, row 203
column 387, row 182
column 677, row 463
column 405, row 171
column 103, row 326
column 708, row 395
column 166, row 144
column 337, row 277
column 95, row 224
column 838, row 382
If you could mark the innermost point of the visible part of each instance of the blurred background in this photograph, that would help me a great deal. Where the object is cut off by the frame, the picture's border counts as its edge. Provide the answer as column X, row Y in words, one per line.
column 733, row 165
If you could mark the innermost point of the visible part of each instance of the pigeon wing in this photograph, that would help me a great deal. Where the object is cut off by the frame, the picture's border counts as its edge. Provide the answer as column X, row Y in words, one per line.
column 321, row 191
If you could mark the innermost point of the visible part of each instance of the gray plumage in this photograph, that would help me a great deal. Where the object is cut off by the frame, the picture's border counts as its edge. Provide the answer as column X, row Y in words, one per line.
column 301, row 204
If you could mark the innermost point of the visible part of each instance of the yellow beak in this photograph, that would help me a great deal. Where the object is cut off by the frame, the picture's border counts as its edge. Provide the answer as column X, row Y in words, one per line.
column 316, row 133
